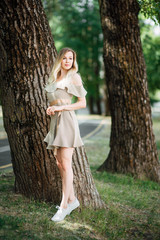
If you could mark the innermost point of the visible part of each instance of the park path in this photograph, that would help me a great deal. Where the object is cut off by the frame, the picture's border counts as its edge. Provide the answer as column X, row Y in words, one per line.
column 89, row 126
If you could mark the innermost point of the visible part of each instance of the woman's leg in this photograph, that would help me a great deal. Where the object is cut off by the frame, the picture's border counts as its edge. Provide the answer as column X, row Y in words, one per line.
column 64, row 163
column 71, row 197
column 58, row 160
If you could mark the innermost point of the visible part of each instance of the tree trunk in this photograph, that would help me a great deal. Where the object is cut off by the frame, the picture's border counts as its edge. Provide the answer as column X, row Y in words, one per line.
column 96, row 67
column 98, row 104
column 91, row 105
column 98, row 98
column 27, row 55
column 132, row 143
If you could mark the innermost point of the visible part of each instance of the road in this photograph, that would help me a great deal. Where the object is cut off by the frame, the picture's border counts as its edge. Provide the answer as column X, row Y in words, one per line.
column 88, row 128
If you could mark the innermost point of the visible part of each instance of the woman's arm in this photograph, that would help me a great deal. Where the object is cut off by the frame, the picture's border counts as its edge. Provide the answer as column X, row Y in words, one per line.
column 81, row 102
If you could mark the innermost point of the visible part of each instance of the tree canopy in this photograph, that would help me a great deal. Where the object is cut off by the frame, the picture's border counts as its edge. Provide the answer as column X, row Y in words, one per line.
column 150, row 9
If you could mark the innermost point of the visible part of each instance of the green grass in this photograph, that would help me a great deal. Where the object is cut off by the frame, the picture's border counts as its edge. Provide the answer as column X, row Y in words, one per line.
column 132, row 210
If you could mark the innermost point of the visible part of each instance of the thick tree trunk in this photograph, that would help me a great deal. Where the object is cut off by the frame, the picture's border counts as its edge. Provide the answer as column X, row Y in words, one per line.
column 133, row 149
column 27, row 55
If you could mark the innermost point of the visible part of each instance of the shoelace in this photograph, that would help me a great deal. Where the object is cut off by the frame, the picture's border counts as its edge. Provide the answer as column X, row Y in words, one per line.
column 58, row 207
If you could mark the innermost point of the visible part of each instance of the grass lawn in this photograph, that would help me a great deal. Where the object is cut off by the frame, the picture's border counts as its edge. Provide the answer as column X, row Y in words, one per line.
column 132, row 213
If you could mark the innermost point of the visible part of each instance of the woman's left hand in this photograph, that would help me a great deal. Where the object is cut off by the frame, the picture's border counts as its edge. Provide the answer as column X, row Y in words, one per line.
column 52, row 109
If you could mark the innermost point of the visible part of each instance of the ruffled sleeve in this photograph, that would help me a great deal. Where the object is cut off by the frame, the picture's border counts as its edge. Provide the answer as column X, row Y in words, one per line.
column 71, row 88
column 77, row 91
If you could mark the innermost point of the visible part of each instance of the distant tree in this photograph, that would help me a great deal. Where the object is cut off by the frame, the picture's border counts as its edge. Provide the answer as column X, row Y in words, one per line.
column 132, row 142
column 152, row 59
column 151, row 51
column 27, row 56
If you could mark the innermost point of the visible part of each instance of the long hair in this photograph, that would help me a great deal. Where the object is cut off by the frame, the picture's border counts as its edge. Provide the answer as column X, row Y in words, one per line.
column 55, row 72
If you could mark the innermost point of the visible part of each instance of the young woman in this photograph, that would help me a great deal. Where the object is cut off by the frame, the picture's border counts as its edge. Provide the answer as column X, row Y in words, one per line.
column 64, row 136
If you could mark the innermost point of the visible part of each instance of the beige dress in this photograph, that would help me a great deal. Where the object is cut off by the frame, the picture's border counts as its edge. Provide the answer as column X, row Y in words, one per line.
column 64, row 129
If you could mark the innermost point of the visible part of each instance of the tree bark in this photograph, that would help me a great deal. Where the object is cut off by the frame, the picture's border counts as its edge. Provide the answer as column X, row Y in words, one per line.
column 132, row 142
column 27, row 56
column 107, row 104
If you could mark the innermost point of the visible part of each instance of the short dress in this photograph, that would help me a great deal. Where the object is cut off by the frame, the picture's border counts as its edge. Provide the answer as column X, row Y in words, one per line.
column 64, row 128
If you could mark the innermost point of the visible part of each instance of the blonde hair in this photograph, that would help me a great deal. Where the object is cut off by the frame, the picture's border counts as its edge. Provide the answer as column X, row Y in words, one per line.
column 55, row 72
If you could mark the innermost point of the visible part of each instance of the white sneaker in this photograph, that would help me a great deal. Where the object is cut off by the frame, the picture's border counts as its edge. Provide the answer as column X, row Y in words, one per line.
column 60, row 214
column 73, row 205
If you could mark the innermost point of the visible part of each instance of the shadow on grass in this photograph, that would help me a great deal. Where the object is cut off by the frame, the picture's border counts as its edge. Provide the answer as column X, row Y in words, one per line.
column 13, row 227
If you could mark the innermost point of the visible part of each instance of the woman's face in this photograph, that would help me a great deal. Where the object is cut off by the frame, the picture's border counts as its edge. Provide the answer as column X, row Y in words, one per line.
column 67, row 60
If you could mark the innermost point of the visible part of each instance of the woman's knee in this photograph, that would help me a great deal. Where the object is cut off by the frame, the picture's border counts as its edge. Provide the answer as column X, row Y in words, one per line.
column 65, row 155
column 58, row 162
column 66, row 165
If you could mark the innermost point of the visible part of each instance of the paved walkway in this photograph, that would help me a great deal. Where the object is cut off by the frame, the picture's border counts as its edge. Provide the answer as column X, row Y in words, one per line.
column 89, row 126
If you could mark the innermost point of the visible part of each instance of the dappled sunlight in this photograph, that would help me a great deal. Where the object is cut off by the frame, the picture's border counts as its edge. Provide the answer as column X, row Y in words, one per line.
column 74, row 227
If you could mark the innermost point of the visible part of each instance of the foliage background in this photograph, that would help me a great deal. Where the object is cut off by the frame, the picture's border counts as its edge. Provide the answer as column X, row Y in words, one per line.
column 76, row 24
